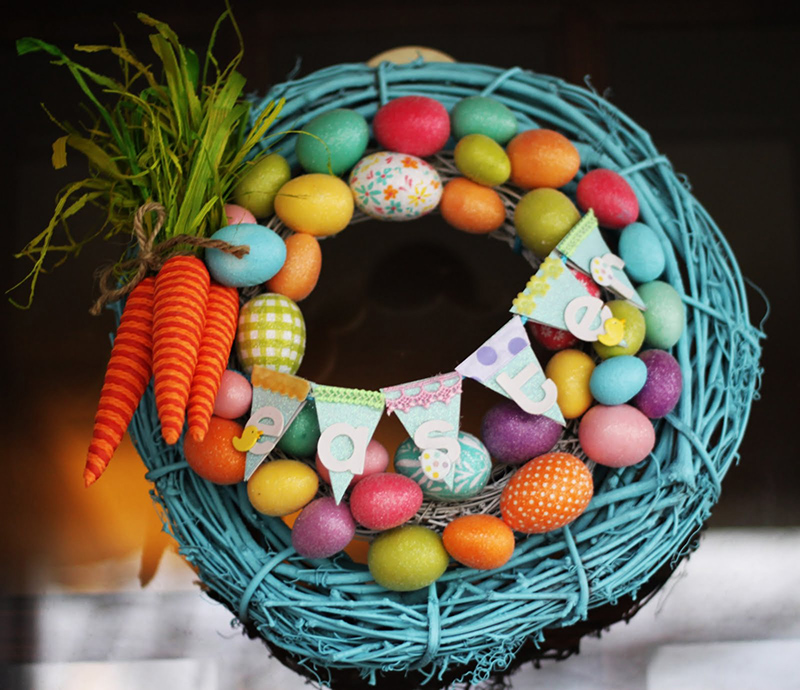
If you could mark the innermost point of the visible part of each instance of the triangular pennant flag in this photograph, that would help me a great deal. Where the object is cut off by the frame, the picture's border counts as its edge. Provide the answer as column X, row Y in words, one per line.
column 430, row 410
column 277, row 398
column 507, row 364
column 347, row 420
column 585, row 247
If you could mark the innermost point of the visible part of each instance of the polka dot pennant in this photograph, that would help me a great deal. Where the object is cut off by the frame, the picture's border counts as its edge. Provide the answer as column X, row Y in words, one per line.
column 548, row 492
column 495, row 354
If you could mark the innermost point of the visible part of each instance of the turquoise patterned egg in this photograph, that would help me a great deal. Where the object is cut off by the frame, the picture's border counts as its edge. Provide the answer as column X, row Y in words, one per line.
column 472, row 470
column 395, row 186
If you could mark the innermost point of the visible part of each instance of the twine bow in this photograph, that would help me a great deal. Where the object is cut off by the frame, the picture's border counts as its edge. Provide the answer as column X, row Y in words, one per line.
column 151, row 256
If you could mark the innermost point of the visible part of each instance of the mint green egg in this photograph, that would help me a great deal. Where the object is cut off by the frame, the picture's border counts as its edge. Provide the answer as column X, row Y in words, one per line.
column 407, row 558
column 665, row 315
column 482, row 160
column 344, row 132
column 483, row 115
column 301, row 438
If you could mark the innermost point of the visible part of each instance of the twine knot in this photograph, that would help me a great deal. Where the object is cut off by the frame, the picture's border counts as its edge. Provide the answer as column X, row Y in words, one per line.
column 151, row 256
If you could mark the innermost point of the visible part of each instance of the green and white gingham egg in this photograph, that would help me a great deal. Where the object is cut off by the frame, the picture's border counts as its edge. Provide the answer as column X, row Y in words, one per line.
column 472, row 470
column 271, row 333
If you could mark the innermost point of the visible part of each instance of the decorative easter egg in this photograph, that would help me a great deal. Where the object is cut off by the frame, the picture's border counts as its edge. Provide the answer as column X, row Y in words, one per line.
column 339, row 138
column 542, row 218
column 214, row 458
column 483, row 115
column 323, row 528
column 471, row 472
column 317, row 204
column 663, row 386
column 394, row 186
column 483, row 542
column 471, row 207
column 376, row 460
column 265, row 258
column 546, row 493
column 664, row 316
column 407, row 558
column 385, row 500
column 234, row 395
column 610, row 196
column 513, row 436
column 417, row 125
column 542, row 158
column 555, row 338
column 618, row 379
column 301, row 438
column 641, row 250
column 616, row 436
column 271, row 333
column 633, row 331
column 482, row 160
column 571, row 371
column 234, row 215
column 257, row 188
column 280, row 487
column 300, row 272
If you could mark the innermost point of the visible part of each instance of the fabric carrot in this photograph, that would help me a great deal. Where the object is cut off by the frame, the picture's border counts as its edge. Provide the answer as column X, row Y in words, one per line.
column 179, row 315
column 222, row 316
column 127, row 376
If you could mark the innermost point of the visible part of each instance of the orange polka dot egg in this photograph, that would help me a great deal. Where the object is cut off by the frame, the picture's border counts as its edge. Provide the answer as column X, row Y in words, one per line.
column 546, row 493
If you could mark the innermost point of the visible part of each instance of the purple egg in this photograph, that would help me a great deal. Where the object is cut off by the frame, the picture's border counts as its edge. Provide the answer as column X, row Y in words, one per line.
column 663, row 386
column 323, row 528
column 513, row 436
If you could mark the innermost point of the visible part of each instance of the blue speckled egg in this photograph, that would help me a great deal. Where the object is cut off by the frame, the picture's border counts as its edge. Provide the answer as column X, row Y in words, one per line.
column 472, row 470
column 267, row 255
column 642, row 253
column 618, row 379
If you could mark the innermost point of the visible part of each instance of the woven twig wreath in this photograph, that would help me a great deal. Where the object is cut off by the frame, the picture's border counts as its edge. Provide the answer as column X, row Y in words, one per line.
column 329, row 614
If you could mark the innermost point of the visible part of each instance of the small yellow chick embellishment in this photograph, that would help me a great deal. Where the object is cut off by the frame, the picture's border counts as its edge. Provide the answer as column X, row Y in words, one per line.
column 615, row 330
column 248, row 439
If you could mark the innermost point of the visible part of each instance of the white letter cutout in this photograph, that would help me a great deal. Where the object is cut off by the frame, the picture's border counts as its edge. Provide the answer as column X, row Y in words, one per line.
column 270, row 432
column 514, row 389
column 441, row 467
column 581, row 328
column 602, row 268
column 359, row 435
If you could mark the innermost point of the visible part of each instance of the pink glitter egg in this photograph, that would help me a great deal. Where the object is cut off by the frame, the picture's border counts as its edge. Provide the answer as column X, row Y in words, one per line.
column 323, row 528
column 376, row 460
column 234, row 396
column 385, row 500
column 616, row 435
column 236, row 215
column 412, row 124
column 610, row 196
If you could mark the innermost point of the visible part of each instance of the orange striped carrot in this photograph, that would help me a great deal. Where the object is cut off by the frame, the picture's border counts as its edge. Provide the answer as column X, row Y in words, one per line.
column 222, row 316
column 127, row 376
column 179, row 316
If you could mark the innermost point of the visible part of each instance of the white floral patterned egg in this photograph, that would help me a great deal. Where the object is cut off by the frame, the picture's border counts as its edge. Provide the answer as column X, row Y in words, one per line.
column 471, row 472
column 395, row 186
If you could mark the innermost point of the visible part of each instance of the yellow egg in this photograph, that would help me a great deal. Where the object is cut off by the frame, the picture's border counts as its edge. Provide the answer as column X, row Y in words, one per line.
column 571, row 370
column 316, row 204
column 633, row 331
column 281, row 487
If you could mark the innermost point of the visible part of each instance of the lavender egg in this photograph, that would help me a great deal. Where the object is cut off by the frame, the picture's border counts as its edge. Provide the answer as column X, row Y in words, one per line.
column 663, row 386
column 323, row 528
column 513, row 436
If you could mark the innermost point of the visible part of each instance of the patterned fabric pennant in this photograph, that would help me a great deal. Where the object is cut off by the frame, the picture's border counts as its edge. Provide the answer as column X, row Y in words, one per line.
column 507, row 364
column 585, row 247
column 347, row 420
column 430, row 410
column 277, row 398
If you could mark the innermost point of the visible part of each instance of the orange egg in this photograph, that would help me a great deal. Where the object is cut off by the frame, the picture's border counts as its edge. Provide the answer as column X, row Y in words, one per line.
column 546, row 493
column 483, row 542
column 214, row 458
column 542, row 158
column 300, row 272
column 471, row 207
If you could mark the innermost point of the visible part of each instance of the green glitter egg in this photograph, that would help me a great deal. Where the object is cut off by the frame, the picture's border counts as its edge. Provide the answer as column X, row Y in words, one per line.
column 301, row 438
column 345, row 134
column 633, row 335
column 665, row 314
column 407, row 558
column 483, row 115
column 482, row 160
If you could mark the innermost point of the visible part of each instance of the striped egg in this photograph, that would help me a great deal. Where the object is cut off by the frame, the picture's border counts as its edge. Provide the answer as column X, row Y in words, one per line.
column 271, row 333
column 471, row 472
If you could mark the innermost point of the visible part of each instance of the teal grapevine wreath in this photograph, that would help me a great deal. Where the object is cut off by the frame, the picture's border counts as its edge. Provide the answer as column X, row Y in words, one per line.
column 329, row 614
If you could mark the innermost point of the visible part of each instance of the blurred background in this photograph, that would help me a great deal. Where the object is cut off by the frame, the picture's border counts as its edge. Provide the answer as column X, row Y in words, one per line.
column 716, row 85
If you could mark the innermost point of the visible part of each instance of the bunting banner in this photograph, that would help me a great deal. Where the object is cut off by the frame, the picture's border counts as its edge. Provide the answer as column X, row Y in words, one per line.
column 347, row 420
column 507, row 364
column 430, row 410
column 585, row 247
column 277, row 398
